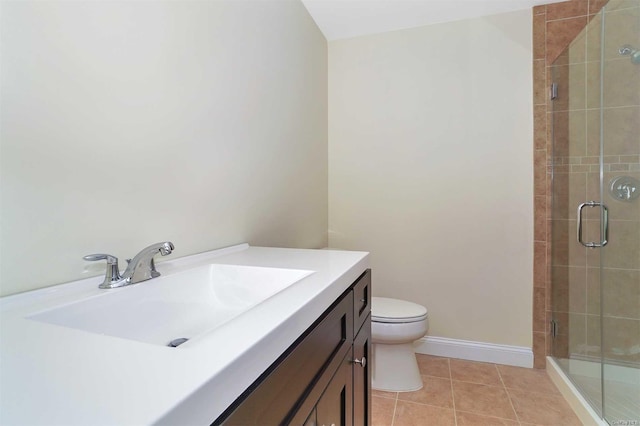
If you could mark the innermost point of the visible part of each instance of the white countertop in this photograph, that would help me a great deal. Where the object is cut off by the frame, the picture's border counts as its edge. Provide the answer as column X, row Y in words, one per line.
column 51, row 374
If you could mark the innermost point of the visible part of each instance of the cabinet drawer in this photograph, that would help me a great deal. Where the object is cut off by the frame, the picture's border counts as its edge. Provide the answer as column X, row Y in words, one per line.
column 276, row 395
column 361, row 300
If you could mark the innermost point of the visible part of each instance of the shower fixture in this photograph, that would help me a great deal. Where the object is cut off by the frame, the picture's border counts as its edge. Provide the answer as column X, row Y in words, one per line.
column 628, row 50
column 624, row 188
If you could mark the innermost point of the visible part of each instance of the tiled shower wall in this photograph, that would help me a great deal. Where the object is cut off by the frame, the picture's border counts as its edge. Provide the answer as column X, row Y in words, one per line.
column 575, row 297
column 554, row 27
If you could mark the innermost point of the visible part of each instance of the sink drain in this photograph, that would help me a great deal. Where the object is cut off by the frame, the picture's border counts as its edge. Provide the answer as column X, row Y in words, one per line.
column 177, row 342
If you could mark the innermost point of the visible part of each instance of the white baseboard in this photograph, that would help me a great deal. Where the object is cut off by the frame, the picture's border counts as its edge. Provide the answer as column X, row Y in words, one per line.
column 519, row 356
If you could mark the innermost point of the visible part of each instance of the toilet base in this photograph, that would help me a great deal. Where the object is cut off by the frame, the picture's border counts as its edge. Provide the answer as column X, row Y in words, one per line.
column 395, row 368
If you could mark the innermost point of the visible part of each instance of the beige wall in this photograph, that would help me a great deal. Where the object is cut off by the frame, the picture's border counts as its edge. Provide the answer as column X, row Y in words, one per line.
column 128, row 123
column 430, row 169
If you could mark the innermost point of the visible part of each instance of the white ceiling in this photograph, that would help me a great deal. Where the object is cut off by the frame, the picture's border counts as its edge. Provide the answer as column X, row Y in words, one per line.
column 339, row 19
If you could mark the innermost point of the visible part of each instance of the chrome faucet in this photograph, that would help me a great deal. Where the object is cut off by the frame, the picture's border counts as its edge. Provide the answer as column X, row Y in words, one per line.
column 140, row 268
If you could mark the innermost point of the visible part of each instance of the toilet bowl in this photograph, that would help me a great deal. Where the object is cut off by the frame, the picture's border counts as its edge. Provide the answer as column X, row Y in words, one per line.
column 395, row 325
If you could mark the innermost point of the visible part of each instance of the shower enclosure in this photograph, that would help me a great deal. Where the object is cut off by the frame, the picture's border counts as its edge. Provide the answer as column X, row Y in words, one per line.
column 595, row 226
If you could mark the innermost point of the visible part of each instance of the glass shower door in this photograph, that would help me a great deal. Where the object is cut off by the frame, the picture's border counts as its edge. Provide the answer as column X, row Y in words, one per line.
column 575, row 268
column 595, row 237
column 619, row 107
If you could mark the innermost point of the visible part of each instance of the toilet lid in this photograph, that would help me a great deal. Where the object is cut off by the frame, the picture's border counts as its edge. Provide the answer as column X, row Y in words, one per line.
column 384, row 309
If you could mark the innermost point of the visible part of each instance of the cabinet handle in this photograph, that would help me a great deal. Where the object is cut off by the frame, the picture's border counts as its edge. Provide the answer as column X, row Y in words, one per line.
column 362, row 362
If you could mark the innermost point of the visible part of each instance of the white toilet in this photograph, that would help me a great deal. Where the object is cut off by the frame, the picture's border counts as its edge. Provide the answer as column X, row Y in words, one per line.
column 395, row 325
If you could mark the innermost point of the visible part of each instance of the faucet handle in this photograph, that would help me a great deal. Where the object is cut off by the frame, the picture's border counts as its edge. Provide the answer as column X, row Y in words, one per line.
column 112, row 274
column 99, row 256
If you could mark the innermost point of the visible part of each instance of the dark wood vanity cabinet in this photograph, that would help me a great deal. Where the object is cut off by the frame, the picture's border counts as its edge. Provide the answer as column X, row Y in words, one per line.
column 323, row 378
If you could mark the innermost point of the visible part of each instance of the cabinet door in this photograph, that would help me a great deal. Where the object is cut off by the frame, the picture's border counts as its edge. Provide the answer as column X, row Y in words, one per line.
column 362, row 376
column 335, row 406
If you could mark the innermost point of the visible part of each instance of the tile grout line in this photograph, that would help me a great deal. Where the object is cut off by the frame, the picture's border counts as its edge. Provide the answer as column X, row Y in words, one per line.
column 480, row 383
column 508, row 395
column 566, row 18
column 453, row 398
column 395, row 406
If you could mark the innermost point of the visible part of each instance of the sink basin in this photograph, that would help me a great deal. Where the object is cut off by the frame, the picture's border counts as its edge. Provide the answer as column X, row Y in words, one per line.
column 181, row 305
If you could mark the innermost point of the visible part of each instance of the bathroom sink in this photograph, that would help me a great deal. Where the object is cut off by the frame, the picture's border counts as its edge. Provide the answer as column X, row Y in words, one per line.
column 181, row 305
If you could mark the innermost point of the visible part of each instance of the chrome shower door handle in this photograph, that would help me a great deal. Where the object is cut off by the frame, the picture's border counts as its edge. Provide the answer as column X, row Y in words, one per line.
column 605, row 224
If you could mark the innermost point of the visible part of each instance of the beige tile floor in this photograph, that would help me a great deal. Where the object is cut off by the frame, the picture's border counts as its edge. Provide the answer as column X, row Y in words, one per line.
column 464, row 393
